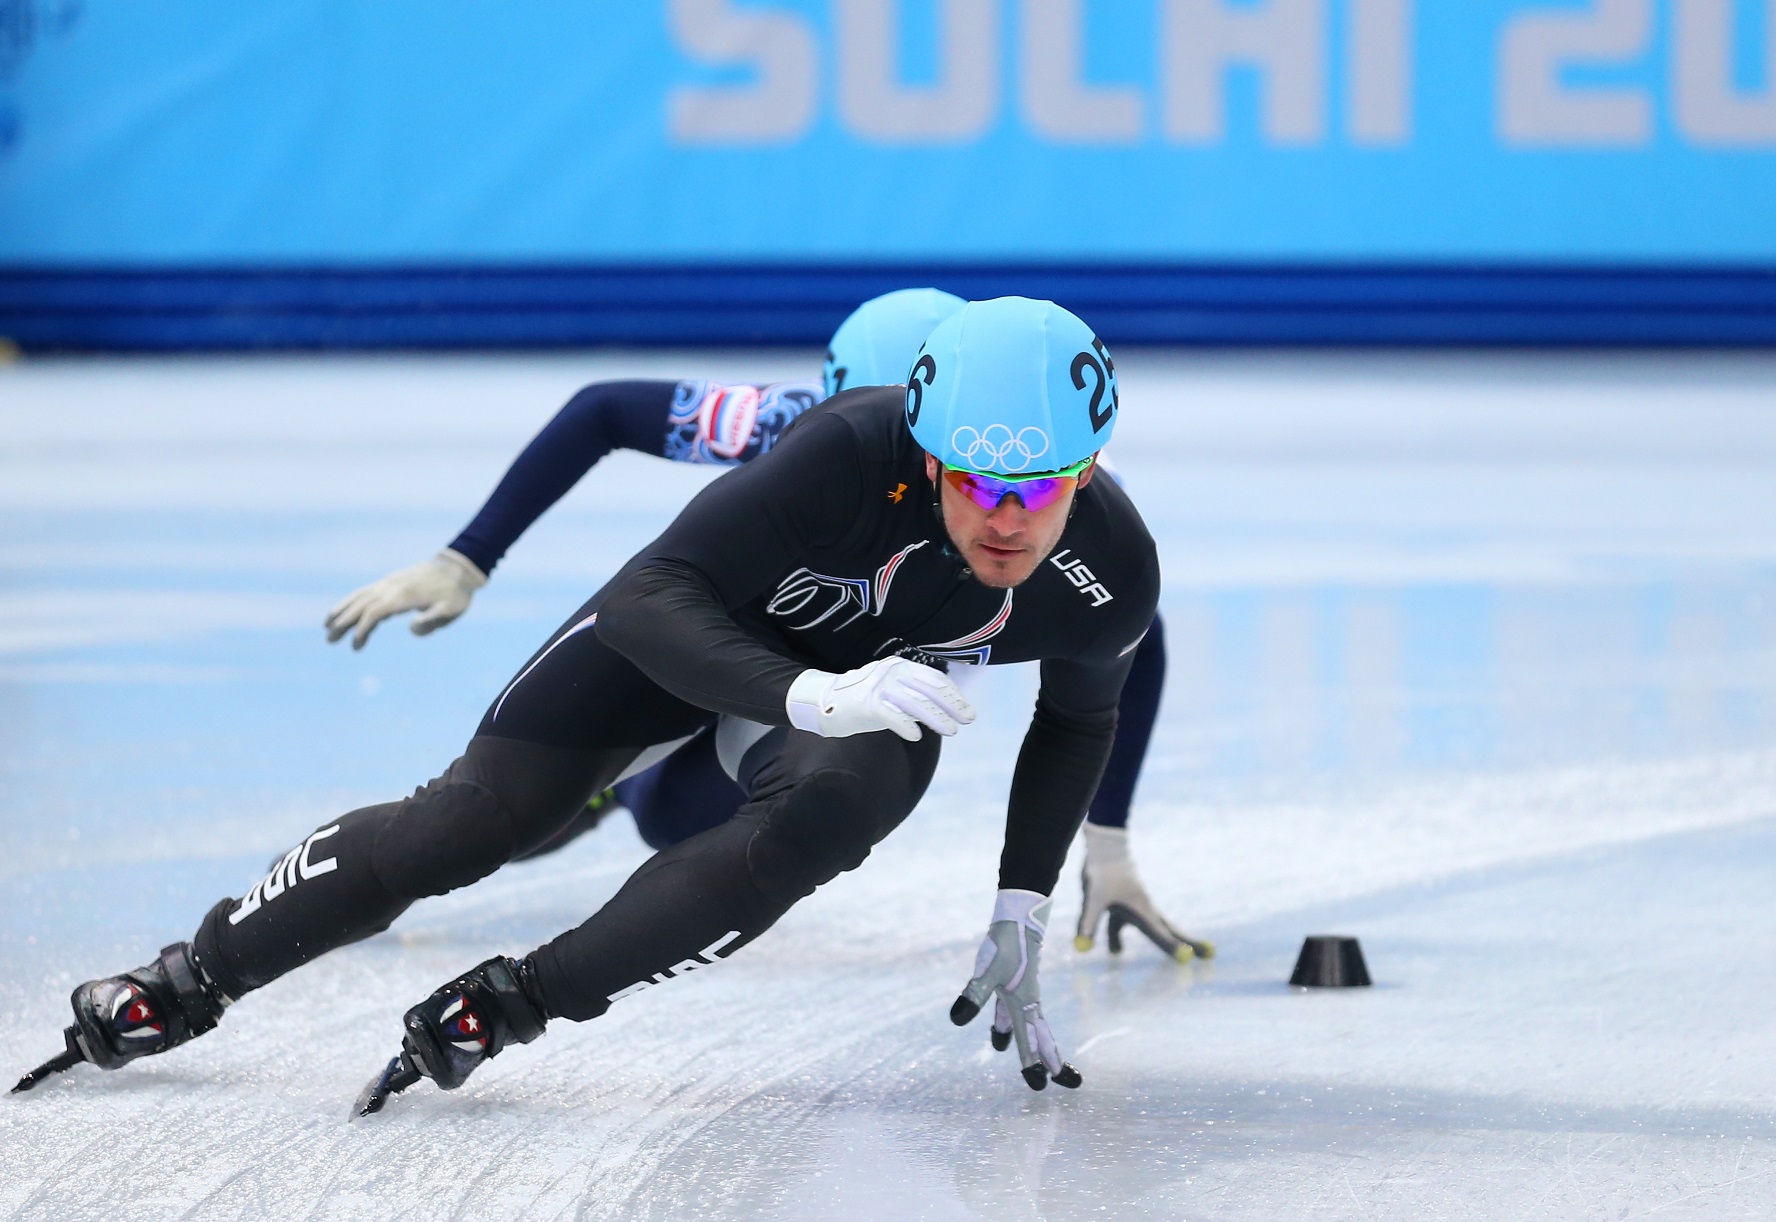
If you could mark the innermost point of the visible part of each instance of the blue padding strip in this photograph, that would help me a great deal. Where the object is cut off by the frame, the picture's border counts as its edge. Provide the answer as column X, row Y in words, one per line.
column 183, row 309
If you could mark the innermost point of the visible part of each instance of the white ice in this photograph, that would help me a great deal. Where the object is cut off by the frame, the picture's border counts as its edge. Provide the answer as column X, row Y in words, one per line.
column 1473, row 657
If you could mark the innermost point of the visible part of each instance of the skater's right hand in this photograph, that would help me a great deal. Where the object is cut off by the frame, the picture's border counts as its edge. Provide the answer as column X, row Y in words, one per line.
column 889, row 694
column 1005, row 971
column 439, row 589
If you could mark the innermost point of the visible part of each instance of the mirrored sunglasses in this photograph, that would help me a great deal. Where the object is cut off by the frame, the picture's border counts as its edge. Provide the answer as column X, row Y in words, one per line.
column 1034, row 492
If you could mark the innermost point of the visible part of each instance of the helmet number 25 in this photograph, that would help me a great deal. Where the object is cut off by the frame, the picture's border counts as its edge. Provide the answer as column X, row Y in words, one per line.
column 1103, row 370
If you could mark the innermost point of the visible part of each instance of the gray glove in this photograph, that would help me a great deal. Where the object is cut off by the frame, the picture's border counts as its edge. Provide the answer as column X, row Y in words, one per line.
column 1005, row 968
column 1112, row 886
column 439, row 589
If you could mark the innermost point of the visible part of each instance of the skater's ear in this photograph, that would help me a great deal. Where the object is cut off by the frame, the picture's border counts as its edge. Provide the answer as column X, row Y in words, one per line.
column 932, row 466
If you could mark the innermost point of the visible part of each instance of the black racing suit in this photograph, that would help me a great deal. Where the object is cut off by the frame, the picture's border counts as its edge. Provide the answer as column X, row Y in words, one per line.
column 827, row 552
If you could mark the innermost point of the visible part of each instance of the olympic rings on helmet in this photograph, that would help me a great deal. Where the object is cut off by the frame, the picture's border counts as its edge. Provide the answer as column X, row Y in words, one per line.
column 997, row 447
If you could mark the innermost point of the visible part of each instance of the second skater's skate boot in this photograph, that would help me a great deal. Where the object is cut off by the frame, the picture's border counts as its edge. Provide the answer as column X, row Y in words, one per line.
column 471, row 1019
column 120, row 1018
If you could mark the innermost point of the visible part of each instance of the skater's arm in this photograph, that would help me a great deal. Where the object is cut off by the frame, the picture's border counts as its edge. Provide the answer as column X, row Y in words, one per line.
column 672, row 616
column 1058, row 769
column 669, row 621
column 602, row 417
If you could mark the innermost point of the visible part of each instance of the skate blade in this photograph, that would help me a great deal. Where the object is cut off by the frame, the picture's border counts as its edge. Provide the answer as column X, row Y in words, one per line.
column 395, row 1077
column 66, row 1059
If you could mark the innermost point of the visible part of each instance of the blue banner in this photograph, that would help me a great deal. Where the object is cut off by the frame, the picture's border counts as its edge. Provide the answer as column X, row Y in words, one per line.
column 468, row 132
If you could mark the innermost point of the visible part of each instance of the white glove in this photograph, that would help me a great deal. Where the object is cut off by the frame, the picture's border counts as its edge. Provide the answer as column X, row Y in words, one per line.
column 888, row 694
column 1006, row 965
column 439, row 589
column 1113, row 886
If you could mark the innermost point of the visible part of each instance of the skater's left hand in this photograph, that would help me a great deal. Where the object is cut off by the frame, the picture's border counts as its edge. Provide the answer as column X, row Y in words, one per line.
column 1005, row 968
column 439, row 589
column 1114, row 888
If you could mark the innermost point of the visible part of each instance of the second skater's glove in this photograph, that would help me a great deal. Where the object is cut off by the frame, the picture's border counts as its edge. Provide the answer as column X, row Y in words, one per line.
column 889, row 694
column 439, row 589
column 1113, row 888
column 1005, row 969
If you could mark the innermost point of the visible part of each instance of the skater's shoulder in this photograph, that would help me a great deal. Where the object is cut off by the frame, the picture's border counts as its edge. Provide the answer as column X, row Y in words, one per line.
column 875, row 412
column 870, row 419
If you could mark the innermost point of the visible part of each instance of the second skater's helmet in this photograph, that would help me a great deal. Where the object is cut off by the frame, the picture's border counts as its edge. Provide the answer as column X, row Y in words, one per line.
column 1012, row 387
column 875, row 346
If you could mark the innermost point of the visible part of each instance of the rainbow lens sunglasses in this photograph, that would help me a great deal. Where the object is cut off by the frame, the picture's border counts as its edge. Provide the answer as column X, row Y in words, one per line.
column 1036, row 492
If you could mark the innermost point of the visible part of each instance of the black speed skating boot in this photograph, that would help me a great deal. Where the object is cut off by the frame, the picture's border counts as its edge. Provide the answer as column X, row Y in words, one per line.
column 148, row 1010
column 468, row 1021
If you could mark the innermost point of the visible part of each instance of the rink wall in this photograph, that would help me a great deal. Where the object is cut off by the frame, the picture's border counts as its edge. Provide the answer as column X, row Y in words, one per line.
column 223, row 309
column 199, row 174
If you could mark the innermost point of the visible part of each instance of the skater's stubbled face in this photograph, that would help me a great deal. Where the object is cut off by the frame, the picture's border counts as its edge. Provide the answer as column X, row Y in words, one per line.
column 1002, row 545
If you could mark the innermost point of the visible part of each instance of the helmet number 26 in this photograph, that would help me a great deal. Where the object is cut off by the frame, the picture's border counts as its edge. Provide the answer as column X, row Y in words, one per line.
column 916, row 387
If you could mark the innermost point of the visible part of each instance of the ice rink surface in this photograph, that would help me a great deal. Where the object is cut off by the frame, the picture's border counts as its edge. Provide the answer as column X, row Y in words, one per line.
column 1473, row 657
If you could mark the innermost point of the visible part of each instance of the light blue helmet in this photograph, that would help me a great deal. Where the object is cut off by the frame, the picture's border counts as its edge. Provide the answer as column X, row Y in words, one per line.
column 877, row 344
column 1012, row 387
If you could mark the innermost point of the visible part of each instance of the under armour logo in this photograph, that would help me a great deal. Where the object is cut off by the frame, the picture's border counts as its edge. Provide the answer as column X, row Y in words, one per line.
column 899, row 493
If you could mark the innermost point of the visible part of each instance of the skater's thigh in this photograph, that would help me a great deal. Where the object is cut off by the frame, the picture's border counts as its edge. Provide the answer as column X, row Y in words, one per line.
column 880, row 777
column 536, row 789
column 577, row 692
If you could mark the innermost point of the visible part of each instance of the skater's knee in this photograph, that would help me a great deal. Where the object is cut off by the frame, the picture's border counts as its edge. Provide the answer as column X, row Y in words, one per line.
column 825, row 825
column 447, row 835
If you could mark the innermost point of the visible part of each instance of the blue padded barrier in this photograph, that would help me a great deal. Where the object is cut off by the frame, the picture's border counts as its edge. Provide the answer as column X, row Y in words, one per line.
column 238, row 308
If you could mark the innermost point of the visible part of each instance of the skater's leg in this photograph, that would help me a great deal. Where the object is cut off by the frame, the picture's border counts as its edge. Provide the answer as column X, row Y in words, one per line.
column 351, row 878
column 345, row 881
column 672, row 801
column 576, row 714
column 815, row 810
column 574, row 717
column 817, row 807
